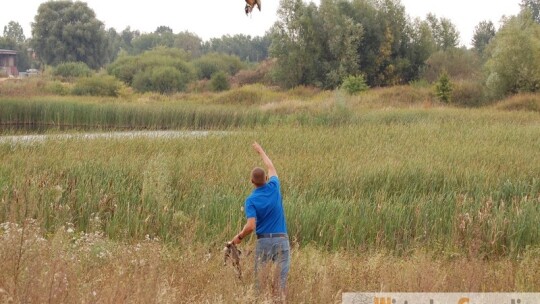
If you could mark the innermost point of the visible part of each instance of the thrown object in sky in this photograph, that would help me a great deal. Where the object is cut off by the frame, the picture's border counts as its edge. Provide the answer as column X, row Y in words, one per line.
column 250, row 4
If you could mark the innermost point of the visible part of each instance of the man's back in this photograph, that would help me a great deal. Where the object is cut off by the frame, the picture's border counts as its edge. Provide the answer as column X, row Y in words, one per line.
column 266, row 205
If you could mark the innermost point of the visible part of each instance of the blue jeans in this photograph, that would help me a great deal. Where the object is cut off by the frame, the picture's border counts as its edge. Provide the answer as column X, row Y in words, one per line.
column 275, row 250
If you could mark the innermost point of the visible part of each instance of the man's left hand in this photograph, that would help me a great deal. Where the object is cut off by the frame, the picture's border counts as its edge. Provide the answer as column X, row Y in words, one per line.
column 236, row 240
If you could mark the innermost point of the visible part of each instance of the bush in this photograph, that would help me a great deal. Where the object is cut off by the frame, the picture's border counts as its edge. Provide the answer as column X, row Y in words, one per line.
column 161, row 79
column 354, row 84
column 71, row 70
column 98, row 85
column 468, row 93
column 57, row 88
column 219, row 82
column 243, row 96
column 521, row 102
column 209, row 64
column 260, row 74
column 168, row 80
column 126, row 67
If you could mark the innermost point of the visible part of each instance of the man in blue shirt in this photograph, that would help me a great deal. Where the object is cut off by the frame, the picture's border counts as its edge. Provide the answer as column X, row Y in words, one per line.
column 264, row 213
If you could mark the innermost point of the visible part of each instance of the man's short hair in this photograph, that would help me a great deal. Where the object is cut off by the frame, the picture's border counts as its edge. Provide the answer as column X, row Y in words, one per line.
column 258, row 176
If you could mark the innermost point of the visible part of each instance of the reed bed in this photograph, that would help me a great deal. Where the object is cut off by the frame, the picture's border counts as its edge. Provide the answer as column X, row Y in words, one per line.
column 457, row 182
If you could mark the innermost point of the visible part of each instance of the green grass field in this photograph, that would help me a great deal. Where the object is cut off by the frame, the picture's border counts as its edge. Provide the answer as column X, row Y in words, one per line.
column 358, row 179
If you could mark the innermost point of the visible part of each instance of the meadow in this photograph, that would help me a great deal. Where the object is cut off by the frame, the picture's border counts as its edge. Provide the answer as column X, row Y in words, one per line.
column 387, row 190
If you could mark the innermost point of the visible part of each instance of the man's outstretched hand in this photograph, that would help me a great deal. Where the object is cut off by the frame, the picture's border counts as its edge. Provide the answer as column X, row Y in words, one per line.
column 257, row 148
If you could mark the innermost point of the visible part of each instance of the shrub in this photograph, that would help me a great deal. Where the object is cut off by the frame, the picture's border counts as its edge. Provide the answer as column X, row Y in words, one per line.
column 126, row 67
column 468, row 93
column 161, row 79
column 354, row 84
column 98, row 85
column 261, row 73
column 521, row 102
column 244, row 96
column 57, row 88
column 209, row 64
column 219, row 82
column 71, row 70
column 168, row 80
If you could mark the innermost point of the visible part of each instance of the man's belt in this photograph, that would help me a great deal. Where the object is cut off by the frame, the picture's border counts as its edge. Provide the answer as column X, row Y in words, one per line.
column 271, row 235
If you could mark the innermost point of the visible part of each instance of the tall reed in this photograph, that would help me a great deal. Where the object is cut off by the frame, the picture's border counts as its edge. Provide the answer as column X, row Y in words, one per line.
column 457, row 182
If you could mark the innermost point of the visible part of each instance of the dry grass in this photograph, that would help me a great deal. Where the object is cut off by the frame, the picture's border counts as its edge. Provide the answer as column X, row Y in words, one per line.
column 520, row 102
column 69, row 267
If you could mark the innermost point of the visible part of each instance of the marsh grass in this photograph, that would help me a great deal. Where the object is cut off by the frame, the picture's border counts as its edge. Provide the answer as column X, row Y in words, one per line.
column 37, row 102
column 397, row 181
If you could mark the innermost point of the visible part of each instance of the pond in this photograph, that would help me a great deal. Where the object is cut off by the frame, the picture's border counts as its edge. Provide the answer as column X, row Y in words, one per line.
column 33, row 138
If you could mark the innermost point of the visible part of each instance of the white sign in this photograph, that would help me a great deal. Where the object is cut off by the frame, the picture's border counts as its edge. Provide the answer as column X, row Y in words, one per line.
column 440, row 298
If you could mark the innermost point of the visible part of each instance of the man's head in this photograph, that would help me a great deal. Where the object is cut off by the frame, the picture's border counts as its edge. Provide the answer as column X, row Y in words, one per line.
column 258, row 177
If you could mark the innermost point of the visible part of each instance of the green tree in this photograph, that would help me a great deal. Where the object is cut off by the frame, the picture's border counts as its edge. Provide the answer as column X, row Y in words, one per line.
column 69, row 31
column 443, row 88
column 343, row 35
column 298, row 45
column 421, row 48
column 127, row 36
column 483, row 33
column 14, row 31
column 393, row 63
column 189, row 42
column 513, row 63
column 145, row 42
column 114, row 45
column 534, row 7
column 163, row 30
column 166, row 34
column 14, row 39
column 444, row 32
column 245, row 47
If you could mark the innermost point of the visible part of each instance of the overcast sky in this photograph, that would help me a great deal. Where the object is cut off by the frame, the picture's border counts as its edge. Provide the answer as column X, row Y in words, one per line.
column 214, row 18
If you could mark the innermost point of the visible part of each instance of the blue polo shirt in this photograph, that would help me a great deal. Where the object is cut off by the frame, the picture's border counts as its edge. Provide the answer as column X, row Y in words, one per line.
column 266, row 206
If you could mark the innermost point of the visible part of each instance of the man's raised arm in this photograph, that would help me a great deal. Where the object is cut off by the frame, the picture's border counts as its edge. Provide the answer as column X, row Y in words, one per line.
column 267, row 162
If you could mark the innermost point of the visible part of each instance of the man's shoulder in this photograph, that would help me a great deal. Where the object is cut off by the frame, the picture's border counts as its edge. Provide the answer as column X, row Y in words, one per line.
column 273, row 178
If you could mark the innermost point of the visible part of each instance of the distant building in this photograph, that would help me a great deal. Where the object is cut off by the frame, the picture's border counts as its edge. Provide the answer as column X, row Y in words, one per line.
column 8, row 63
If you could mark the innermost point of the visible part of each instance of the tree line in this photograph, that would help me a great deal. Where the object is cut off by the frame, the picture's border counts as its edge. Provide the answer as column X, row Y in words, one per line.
column 314, row 45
